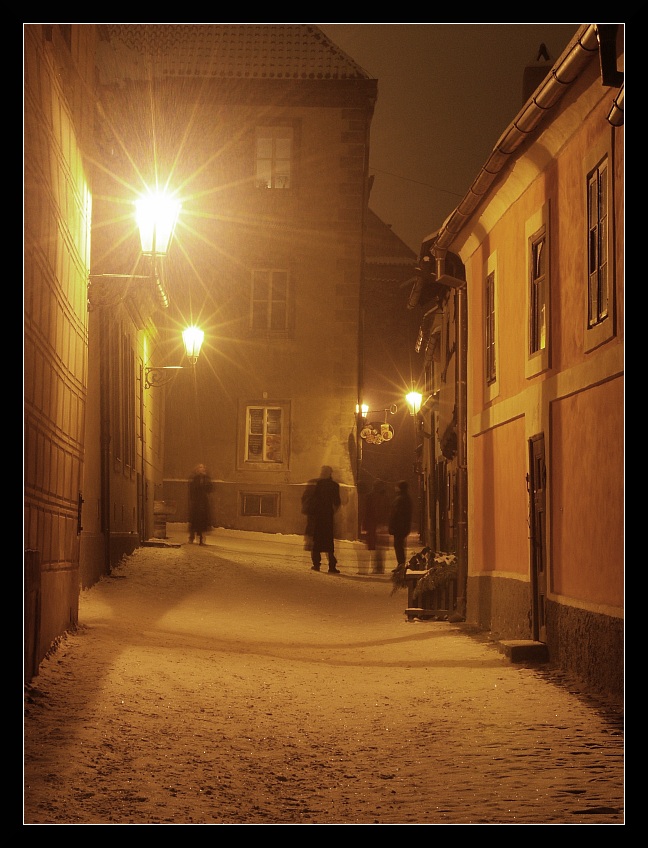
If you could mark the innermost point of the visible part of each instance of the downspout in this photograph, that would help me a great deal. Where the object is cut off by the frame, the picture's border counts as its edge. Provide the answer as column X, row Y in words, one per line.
column 104, row 436
column 461, row 402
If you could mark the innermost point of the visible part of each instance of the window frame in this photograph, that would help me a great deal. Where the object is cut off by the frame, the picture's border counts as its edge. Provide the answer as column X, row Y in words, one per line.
column 269, row 300
column 249, row 496
column 273, row 178
column 265, row 463
column 537, row 230
column 491, row 328
column 603, row 328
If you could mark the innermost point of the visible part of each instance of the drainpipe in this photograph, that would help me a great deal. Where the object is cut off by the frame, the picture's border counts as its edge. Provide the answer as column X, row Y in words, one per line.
column 461, row 402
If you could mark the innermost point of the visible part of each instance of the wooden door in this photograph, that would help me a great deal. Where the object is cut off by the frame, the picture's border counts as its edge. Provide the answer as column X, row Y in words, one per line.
column 537, row 481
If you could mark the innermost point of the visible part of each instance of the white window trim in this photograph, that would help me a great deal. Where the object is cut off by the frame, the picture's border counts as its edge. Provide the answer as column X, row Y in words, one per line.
column 540, row 361
column 492, row 390
column 263, row 465
column 596, row 336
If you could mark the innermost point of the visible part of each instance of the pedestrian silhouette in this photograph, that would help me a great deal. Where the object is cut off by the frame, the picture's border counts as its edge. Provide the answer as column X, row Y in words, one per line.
column 200, row 487
column 372, row 521
column 322, row 506
column 400, row 522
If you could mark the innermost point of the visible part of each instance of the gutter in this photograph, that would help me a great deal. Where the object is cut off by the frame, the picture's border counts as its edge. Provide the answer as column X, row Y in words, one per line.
column 577, row 55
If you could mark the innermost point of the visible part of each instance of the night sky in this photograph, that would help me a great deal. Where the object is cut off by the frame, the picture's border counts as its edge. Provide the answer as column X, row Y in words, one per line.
column 446, row 93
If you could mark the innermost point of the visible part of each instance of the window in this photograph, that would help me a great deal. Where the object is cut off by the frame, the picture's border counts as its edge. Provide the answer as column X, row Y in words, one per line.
column 597, row 244
column 265, row 505
column 538, row 328
column 274, row 155
column 538, row 292
column 491, row 358
column 598, row 186
column 264, row 436
column 269, row 306
column 489, row 332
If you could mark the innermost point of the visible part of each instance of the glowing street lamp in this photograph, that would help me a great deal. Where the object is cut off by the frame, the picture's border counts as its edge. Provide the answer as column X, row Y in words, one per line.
column 156, row 216
column 192, row 339
column 414, row 402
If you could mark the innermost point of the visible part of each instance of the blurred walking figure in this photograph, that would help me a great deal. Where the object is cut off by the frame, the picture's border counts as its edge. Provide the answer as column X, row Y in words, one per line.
column 400, row 522
column 200, row 487
column 372, row 520
column 323, row 505
column 307, row 510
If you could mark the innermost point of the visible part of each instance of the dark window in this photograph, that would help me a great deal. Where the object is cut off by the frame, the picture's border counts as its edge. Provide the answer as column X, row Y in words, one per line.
column 269, row 300
column 266, row 505
column 597, row 223
column 274, row 153
column 489, row 334
column 538, row 298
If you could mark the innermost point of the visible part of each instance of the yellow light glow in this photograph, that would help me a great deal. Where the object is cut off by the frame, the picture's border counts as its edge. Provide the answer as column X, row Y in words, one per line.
column 193, row 339
column 156, row 217
column 414, row 402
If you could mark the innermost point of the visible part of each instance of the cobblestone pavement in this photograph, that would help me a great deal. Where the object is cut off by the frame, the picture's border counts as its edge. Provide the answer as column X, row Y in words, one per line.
column 229, row 684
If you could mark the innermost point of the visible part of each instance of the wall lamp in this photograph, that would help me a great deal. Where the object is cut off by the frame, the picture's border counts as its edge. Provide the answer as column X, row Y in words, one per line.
column 156, row 216
column 414, row 402
column 192, row 339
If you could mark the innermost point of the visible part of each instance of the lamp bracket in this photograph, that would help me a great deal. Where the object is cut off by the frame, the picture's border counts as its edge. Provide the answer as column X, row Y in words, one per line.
column 154, row 377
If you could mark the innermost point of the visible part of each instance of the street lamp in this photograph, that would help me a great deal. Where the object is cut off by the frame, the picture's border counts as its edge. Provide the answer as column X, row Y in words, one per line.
column 156, row 216
column 192, row 339
column 414, row 402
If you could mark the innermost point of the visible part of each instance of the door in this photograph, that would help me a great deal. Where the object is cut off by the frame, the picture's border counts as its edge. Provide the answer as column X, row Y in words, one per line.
column 537, row 481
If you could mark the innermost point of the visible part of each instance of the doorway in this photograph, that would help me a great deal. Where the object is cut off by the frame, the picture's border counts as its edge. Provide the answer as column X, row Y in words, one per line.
column 536, row 485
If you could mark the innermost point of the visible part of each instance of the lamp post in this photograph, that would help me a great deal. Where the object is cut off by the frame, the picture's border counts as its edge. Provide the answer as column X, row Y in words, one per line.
column 413, row 400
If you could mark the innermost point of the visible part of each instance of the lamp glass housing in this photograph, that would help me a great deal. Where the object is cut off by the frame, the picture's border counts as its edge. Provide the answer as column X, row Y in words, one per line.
column 156, row 217
column 193, row 339
column 414, row 402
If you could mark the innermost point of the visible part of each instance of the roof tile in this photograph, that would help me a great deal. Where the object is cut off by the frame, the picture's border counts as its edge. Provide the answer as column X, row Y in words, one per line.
column 246, row 51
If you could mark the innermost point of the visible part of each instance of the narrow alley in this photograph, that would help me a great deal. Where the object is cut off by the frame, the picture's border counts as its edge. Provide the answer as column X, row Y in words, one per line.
column 229, row 684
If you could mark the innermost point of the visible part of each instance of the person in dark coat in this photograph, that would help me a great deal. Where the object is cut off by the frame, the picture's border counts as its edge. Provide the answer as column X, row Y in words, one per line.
column 200, row 487
column 400, row 522
column 372, row 520
column 324, row 503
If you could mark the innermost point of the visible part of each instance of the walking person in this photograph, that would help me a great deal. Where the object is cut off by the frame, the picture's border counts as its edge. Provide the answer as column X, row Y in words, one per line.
column 372, row 519
column 400, row 522
column 323, row 505
column 200, row 487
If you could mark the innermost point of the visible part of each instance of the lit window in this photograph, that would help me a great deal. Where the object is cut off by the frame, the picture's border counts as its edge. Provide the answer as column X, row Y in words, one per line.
column 264, row 436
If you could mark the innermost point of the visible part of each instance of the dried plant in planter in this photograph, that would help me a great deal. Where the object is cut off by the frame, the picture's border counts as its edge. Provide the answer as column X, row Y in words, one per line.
column 437, row 566
column 442, row 569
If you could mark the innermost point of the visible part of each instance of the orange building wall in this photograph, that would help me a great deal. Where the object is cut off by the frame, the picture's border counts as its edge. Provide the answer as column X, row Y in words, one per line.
column 587, row 496
column 500, row 519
